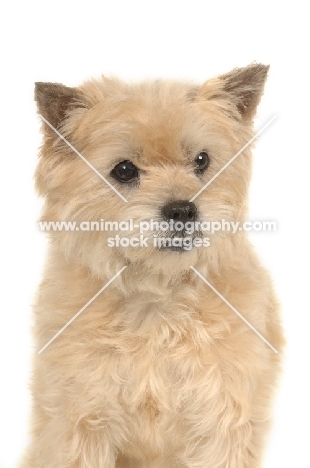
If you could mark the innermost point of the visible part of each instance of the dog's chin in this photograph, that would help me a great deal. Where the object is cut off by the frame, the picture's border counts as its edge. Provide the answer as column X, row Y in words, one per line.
column 165, row 260
column 168, row 261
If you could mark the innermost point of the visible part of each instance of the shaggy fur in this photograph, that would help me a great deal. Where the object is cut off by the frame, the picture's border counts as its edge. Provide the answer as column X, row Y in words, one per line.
column 157, row 372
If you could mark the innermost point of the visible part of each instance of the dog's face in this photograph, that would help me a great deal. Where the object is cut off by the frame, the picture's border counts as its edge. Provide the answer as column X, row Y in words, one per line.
column 157, row 143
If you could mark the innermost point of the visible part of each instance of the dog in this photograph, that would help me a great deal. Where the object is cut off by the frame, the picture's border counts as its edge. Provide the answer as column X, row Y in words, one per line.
column 157, row 370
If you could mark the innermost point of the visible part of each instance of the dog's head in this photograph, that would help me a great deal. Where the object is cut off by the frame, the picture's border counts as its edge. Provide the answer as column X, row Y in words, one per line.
column 142, row 152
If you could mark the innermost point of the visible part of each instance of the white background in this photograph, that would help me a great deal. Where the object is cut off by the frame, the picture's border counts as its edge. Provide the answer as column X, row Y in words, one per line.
column 70, row 41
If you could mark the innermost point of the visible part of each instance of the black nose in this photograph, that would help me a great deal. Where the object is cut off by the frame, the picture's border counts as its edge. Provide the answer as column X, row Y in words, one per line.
column 180, row 210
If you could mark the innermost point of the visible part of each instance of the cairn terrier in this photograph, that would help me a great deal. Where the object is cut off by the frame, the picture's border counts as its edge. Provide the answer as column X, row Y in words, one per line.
column 156, row 370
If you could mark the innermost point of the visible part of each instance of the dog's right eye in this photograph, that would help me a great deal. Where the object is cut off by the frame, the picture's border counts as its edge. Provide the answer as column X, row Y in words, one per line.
column 125, row 172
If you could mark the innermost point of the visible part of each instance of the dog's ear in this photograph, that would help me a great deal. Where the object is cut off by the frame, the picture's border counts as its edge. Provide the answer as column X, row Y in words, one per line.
column 242, row 86
column 55, row 101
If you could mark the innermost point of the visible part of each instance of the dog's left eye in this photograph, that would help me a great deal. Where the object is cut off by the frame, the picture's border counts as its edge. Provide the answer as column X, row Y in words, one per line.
column 125, row 172
column 202, row 162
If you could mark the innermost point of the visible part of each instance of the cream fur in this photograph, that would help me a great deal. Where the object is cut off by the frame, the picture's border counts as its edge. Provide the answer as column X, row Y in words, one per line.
column 157, row 372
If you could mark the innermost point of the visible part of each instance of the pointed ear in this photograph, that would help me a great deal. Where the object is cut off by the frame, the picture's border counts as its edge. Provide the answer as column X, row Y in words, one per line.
column 55, row 101
column 242, row 86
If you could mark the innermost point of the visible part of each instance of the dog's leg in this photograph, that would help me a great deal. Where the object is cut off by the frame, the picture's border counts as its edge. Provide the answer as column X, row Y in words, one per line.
column 60, row 445
column 233, row 439
column 219, row 457
column 105, row 459
column 238, row 448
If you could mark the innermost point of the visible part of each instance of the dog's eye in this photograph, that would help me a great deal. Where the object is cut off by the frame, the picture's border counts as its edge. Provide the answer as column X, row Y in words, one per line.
column 202, row 162
column 125, row 171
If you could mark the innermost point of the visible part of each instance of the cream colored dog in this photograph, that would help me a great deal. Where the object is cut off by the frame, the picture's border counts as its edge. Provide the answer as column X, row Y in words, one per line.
column 157, row 371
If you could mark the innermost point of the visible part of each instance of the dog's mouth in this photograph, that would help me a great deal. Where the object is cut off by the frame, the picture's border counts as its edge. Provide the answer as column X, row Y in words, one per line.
column 176, row 242
column 174, row 248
